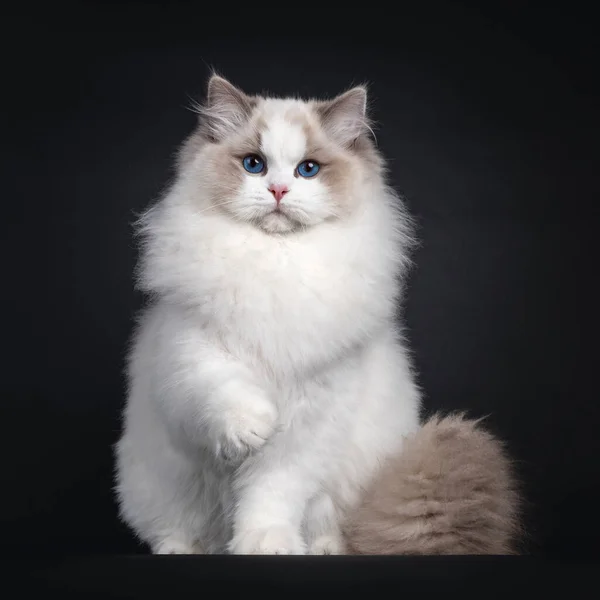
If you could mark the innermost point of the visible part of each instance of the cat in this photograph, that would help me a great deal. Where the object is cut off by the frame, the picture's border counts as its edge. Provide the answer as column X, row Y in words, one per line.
column 452, row 490
column 268, row 377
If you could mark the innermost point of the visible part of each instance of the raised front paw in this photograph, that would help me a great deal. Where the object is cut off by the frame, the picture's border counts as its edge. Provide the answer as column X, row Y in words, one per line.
column 247, row 423
column 269, row 540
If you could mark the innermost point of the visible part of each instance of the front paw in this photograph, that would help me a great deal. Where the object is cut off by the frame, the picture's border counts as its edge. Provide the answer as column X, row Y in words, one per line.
column 269, row 540
column 247, row 423
column 327, row 544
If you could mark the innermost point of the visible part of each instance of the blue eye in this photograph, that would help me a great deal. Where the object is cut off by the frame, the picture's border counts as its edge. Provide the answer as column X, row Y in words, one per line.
column 254, row 164
column 308, row 168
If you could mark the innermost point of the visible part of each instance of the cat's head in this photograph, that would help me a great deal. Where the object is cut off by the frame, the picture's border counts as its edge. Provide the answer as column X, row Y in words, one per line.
column 281, row 164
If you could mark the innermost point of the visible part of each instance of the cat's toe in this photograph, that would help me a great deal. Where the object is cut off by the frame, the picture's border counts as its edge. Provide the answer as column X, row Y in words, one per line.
column 175, row 546
column 327, row 544
column 272, row 540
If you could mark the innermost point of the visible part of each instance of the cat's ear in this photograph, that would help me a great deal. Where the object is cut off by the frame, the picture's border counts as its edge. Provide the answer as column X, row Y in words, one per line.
column 345, row 117
column 226, row 108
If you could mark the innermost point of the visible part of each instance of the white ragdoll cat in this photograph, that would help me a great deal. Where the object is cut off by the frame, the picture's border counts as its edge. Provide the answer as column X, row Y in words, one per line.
column 267, row 377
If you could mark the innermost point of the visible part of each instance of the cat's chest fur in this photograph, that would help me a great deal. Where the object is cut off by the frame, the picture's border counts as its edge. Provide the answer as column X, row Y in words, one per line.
column 290, row 301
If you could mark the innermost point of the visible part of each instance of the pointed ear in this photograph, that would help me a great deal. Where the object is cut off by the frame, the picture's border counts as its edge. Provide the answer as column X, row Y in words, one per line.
column 226, row 109
column 345, row 117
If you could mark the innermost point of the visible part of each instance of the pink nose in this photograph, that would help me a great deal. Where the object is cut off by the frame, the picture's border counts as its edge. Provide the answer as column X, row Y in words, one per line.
column 279, row 191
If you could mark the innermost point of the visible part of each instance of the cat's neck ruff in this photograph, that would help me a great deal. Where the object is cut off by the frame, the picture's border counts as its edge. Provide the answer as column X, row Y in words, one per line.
column 294, row 299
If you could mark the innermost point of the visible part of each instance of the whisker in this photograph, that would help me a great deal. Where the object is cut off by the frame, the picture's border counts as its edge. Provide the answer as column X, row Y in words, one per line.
column 214, row 206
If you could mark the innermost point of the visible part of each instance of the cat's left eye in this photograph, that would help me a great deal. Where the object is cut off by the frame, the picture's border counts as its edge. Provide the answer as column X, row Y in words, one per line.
column 308, row 168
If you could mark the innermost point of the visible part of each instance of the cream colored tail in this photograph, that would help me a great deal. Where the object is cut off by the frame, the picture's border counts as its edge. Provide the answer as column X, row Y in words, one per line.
column 451, row 491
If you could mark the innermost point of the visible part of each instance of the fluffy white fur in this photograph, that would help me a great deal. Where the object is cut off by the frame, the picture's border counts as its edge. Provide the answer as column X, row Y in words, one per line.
column 267, row 377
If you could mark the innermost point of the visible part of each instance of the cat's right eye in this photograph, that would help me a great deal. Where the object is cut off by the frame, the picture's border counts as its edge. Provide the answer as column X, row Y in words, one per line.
column 254, row 164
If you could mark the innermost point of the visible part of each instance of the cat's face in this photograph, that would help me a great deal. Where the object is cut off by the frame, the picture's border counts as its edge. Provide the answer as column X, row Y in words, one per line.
column 280, row 164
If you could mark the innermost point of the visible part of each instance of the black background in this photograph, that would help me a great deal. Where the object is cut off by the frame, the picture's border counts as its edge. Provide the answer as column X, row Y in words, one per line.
column 488, row 115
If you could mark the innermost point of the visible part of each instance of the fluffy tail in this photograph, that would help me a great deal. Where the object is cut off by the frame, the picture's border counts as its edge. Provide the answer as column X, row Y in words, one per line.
column 450, row 491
